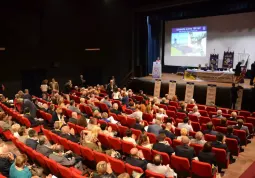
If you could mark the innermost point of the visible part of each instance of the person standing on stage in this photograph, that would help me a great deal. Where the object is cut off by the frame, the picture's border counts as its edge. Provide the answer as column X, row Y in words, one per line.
column 252, row 73
column 234, row 95
column 111, row 87
column 238, row 70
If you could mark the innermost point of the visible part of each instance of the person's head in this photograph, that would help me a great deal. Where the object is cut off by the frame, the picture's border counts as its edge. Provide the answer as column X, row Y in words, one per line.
column 185, row 140
column 161, row 137
column 57, row 125
column 129, row 133
column 234, row 114
column 161, row 111
column 74, row 115
column 219, row 137
column 233, row 84
column 43, row 140
column 134, row 152
column 207, row 147
column 22, row 131
column 163, row 100
column 199, row 135
column 168, row 126
column 219, row 112
column 26, row 110
column 96, row 114
column 124, row 175
column 45, row 106
column 157, row 160
column 174, row 98
column 93, row 121
column 192, row 101
column 21, row 160
column 104, row 115
column 111, row 82
column 158, row 120
column 59, row 149
column 101, row 167
column 44, row 95
column 52, row 107
column 103, row 126
column 59, row 110
column 195, row 109
column 65, row 130
column 26, row 91
column 209, row 126
column 15, row 127
column 81, row 76
column 138, row 107
column 184, row 132
column 53, row 80
column 143, row 139
column 240, row 122
column 32, row 133
column 115, row 106
column 183, row 105
column 82, row 100
column 229, row 129
column 185, row 120
column 72, row 103
column 106, row 98
column 223, row 121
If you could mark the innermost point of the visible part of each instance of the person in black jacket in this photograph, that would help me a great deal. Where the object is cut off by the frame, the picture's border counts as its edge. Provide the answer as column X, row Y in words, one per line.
column 68, row 134
column 167, row 131
column 185, row 150
column 32, row 140
column 33, row 121
column 234, row 95
column 162, row 145
column 210, row 130
column 6, row 160
column 206, row 155
column 139, row 125
column 238, row 69
column 252, row 73
column 137, row 159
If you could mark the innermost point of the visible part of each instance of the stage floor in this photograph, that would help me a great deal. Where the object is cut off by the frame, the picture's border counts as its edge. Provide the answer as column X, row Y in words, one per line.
column 179, row 79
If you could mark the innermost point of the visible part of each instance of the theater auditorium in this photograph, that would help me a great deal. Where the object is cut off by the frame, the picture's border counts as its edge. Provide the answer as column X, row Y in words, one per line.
column 127, row 89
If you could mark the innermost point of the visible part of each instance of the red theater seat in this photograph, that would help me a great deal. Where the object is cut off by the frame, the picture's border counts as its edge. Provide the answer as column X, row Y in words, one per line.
column 152, row 174
column 118, row 166
column 202, row 169
column 130, row 169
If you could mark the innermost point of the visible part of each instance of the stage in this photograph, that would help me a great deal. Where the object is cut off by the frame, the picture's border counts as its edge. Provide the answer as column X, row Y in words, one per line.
column 222, row 95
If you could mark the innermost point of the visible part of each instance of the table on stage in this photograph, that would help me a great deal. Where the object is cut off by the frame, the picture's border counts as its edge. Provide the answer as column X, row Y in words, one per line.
column 211, row 76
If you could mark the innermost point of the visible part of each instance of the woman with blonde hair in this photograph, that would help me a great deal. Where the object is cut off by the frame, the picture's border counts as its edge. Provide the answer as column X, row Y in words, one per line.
column 104, row 170
column 184, row 132
column 89, row 139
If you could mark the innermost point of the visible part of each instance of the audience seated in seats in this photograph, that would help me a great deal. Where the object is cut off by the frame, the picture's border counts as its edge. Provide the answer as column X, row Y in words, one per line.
column 183, row 106
column 138, row 113
column 82, row 121
column 32, row 139
column 15, row 129
column 185, row 150
column 25, row 103
column 157, row 167
column 33, row 121
column 161, row 113
column 167, row 131
column 65, row 158
column 162, row 145
column 130, row 137
column 139, row 125
column 82, row 101
column 6, row 159
column 116, row 94
column 93, row 124
column 137, row 159
column 156, row 127
column 131, row 105
column 23, row 134
column 149, row 108
column 97, row 114
column 164, row 101
column 58, row 116
column 92, row 105
column 143, row 106
column 90, row 140
column 19, row 168
column 233, row 116
column 240, row 126
column 144, row 141
column 206, row 155
column 199, row 139
column 73, row 108
column 5, row 121
column 68, row 134
column 106, row 130
column 185, row 124
column 74, row 118
column 125, row 99
column 45, row 97
column 44, row 147
column 223, row 122
column 210, row 130
column 124, row 175
column 221, row 143
column 218, row 115
column 57, row 126
column 104, row 170
column 195, row 111
column 106, row 101
column 115, row 108
column 175, row 98
column 93, row 98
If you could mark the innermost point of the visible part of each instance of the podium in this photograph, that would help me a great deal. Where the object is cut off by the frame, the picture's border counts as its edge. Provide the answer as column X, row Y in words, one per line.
column 156, row 70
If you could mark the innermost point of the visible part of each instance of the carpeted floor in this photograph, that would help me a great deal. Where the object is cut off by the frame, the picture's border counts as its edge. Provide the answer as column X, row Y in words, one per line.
column 249, row 173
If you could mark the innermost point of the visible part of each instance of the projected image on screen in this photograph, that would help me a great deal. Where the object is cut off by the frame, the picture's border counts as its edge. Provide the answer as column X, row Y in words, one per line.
column 189, row 41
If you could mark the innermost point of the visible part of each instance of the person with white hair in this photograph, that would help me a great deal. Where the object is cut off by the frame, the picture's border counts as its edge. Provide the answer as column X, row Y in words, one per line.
column 115, row 109
column 192, row 101
column 199, row 139
column 218, row 115
column 233, row 116
column 195, row 111
column 161, row 113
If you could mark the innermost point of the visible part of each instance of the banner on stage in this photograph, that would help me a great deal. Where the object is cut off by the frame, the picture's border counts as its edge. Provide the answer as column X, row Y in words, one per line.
column 211, row 94
column 214, row 60
column 239, row 99
column 156, row 70
column 189, row 91
column 157, row 87
column 172, row 88
column 228, row 60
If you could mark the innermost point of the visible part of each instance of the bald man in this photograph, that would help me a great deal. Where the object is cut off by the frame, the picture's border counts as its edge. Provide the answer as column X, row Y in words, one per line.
column 185, row 150
column 137, row 159
column 67, row 134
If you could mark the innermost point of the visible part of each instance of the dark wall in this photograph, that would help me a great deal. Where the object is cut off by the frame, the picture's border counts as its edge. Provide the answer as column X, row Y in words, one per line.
column 47, row 38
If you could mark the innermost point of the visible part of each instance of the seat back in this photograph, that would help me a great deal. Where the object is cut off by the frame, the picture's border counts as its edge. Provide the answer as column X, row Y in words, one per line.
column 210, row 138
column 53, row 166
column 130, row 121
column 152, row 137
column 104, row 140
column 216, row 122
column 251, row 120
column 193, row 118
column 221, row 129
column 103, row 107
column 242, row 136
column 181, row 115
column 54, row 138
column 122, row 119
column 201, row 169
column 130, row 169
column 204, row 120
column 146, row 152
column 87, row 153
column 165, row 156
column 115, row 143
column 148, row 117
column 100, row 157
column 136, row 132
column 114, row 127
column 233, row 146
column 122, row 130
column 88, row 110
column 127, row 146
column 180, row 165
column 152, row 174
column 196, row 126
column 203, row 113
column 177, row 131
column 210, row 109
column 221, row 157
column 64, row 171
column 196, row 147
column 79, row 129
column 118, row 166
column 245, row 114
column 174, row 103
column 64, row 142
